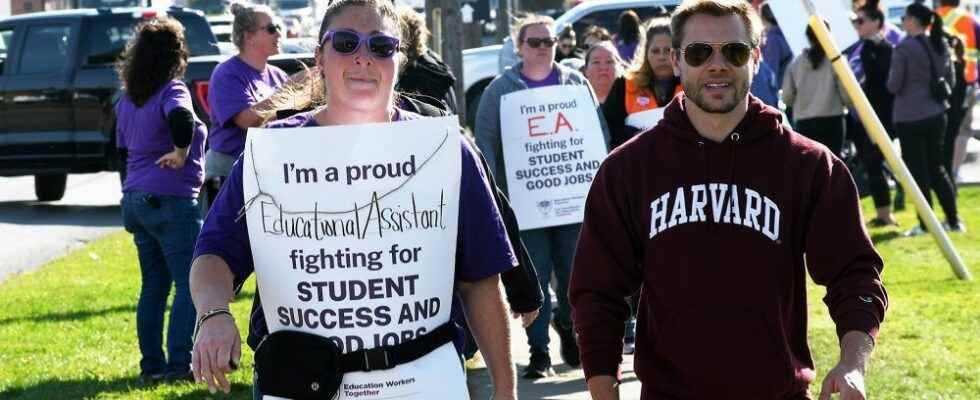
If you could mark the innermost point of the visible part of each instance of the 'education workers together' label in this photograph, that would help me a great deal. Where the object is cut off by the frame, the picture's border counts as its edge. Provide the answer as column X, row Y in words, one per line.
column 553, row 145
column 352, row 240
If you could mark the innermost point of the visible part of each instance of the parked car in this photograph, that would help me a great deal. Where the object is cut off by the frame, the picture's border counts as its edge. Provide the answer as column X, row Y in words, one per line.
column 58, row 87
column 481, row 65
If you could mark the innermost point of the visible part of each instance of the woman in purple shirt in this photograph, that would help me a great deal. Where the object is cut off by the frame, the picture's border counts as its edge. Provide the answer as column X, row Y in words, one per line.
column 237, row 89
column 163, row 143
column 359, row 41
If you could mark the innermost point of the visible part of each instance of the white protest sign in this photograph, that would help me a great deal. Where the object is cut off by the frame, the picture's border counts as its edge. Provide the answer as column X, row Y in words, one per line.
column 793, row 18
column 552, row 145
column 645, row 119
column 352, row 230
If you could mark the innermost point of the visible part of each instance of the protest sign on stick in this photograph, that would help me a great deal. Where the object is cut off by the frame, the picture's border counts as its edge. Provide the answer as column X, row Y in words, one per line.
column 553, row 145
column 352, row 231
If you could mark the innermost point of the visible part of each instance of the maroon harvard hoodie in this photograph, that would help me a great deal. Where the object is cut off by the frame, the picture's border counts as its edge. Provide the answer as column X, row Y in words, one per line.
column 719, row 237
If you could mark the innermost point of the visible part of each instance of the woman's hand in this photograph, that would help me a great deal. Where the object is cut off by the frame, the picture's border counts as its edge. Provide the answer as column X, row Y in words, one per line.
column 174, row 159
column 217, row 352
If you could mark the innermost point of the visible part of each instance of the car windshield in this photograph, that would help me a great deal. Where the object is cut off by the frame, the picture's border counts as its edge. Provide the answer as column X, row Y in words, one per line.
column 209, row 7
column 292, row 4
column 108, row 3
column 108, row 37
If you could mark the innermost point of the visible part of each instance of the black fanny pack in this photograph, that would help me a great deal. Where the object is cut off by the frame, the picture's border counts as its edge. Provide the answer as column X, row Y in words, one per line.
column 304, row 366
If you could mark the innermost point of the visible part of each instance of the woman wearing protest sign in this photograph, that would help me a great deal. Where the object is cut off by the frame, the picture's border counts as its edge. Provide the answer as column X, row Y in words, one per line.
column 163, row 145
column 551, row 249
column 360, row 42
column 649, row 84
column 238, row 90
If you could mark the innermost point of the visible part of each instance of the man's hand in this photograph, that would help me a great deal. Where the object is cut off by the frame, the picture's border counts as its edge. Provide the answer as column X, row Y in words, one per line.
column 848, row 381
column 526, row 318
column 174, row 159
column 217, row 351
column 847, row 378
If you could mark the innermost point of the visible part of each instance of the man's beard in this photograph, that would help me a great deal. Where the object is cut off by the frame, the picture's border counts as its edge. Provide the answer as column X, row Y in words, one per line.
column 727, row 106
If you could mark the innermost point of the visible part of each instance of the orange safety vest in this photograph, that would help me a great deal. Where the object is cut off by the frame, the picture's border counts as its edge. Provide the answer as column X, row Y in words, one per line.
column 642, row 98
column 960, row 22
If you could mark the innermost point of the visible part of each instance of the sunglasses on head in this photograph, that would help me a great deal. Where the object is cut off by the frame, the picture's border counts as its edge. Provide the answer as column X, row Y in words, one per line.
column 736, row 53
column 347, row 42
column 272, row 28
column 537, row 42
column 858, row 20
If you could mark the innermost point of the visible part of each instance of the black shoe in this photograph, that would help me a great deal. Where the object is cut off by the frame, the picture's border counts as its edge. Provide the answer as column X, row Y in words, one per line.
column 538, row 367
column 569, row 347
column 151, row 379
column 182, row 376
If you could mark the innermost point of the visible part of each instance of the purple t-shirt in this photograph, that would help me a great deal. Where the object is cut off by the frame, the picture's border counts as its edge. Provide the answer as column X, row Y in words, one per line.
column 482, row 247
column 144, row 133
column 234, row 87
column 550, row 80
column 892, row 34
column 626, row 50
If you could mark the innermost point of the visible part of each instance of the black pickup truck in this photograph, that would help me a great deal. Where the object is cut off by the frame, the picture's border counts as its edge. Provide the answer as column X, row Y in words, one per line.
column 58, row 87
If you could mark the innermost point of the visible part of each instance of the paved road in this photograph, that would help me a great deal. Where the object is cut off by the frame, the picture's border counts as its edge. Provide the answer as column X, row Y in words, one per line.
column 568, row 384
column 33, row 233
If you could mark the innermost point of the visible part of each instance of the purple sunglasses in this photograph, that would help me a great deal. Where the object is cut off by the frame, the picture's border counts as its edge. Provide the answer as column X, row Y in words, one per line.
column 347, row 42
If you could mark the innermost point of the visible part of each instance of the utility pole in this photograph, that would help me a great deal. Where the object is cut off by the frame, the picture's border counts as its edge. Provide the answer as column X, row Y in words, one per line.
column 446, row 24
column 504, row 11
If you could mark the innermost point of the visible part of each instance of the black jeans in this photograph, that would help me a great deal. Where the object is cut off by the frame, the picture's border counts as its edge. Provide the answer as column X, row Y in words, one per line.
column 922, row 151
column 954, row 116
column 873, row 160
column 829, row 131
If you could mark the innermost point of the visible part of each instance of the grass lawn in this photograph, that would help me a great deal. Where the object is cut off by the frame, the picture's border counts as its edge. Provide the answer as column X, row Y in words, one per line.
column 67, row 331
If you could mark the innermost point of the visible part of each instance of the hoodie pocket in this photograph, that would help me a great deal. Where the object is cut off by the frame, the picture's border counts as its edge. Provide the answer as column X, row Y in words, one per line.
column 717, row 351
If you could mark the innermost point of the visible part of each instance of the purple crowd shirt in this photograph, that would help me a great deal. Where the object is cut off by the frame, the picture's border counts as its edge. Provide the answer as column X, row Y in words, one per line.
column 550, row 80
column 482, row 247
column 144, row 133
column 234, row 87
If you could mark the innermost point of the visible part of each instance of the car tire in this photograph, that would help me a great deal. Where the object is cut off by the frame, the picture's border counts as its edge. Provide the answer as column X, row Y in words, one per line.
column 50, row 187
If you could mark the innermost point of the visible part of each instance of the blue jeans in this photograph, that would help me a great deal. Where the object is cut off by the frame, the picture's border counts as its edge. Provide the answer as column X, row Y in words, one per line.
column 551, row 250
column 164, row 229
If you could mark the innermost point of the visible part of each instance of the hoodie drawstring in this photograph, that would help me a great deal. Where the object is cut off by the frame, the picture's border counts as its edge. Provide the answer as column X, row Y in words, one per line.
column 735, row 137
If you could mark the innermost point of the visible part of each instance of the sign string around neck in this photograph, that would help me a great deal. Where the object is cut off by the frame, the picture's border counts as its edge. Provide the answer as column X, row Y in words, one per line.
column 260, row 193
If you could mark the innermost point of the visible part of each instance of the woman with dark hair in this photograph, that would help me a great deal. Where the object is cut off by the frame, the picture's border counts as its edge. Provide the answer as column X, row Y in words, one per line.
column 360, row 41
column 163, row 143
column 649, row 83
column 920, row 64
column 817, row 98
column 775, row 49
column 870, row 59
column 629, row 36
column 237, row 89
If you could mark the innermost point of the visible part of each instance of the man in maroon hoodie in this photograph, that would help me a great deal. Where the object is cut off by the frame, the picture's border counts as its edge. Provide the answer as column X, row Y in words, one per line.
column 717, row 213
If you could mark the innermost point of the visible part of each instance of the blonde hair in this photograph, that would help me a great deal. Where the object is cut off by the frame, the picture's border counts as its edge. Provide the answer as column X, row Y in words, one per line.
column 302, row 94
column 414, row 32
column 611, row 48
column 520, row 26
column 640, row 71
column 246, row 20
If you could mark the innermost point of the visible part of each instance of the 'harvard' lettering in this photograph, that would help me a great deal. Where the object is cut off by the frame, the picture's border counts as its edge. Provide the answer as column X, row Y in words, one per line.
column 728, row 203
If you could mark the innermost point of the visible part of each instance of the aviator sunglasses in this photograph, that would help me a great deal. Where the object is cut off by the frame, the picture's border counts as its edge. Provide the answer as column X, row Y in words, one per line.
column 736, row 53
column 347, row 42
